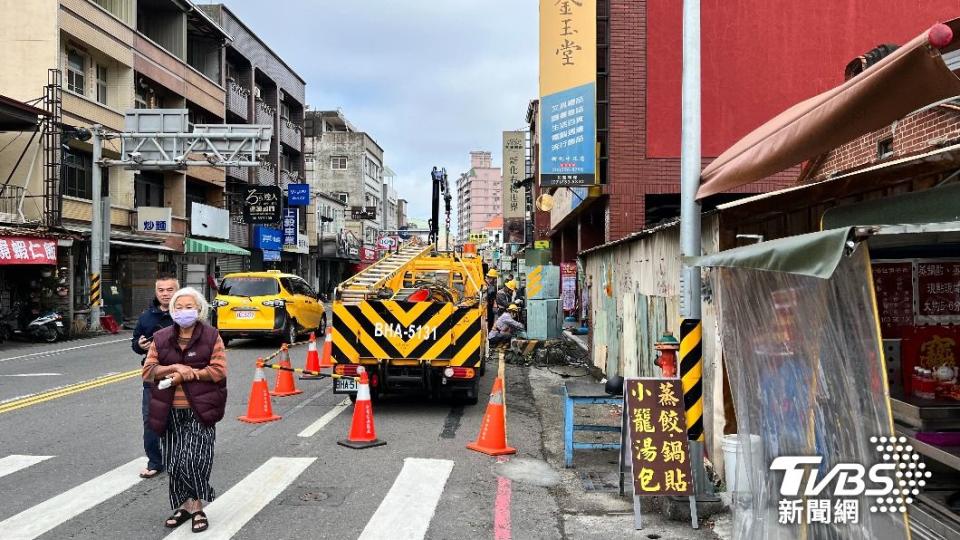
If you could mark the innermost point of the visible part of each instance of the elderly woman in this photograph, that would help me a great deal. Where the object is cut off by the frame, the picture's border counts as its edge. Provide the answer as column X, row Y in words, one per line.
column 188, row 365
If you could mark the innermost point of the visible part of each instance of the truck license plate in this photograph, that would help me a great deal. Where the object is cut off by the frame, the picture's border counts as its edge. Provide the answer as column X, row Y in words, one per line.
column 344, row 386
column 245, row 314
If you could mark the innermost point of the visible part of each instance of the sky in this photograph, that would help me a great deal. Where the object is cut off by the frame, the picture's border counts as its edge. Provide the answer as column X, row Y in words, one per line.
column 429, row 81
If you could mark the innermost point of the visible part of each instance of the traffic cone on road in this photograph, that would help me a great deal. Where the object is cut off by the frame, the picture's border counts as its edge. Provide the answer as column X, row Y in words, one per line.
column 313, row 359
column 285, row 385
column 362, row 432
column 326, row 359
column 259, row 408
column 493, row 428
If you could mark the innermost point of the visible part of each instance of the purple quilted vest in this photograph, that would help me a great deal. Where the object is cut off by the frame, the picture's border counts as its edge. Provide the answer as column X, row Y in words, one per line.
column 207, row 399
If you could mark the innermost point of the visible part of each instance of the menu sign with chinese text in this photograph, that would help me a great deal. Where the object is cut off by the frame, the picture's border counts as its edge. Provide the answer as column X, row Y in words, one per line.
column 657, row 437
column 514, row 198
column 568, row 88
column 938, row 290
column 893, row 283
column 26, row 250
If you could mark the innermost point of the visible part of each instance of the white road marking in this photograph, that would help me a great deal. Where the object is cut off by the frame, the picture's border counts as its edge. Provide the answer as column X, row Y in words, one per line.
column 33, row 375
column 15, row 462
column 405, row 513
column 232, row 510
column 325, row 419
column 58, row 351
column 47, row 515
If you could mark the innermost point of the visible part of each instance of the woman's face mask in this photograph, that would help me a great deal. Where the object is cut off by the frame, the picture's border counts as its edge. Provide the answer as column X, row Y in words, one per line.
column 185, row 318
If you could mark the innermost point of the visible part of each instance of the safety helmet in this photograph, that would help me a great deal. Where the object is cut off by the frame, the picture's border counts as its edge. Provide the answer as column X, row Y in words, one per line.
column 493, row 273
column 512, row 285
column 513, row 307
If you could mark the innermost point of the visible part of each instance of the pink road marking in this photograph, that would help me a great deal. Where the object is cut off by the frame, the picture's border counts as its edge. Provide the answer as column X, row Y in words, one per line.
column 501, row 508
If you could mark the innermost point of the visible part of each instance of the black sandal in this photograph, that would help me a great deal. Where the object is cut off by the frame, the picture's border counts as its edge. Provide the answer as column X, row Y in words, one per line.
column 200, row 522
column 178, row 518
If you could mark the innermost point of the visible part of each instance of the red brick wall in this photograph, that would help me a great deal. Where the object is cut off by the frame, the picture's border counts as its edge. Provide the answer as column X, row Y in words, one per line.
column 630, row 174
column 915, row 133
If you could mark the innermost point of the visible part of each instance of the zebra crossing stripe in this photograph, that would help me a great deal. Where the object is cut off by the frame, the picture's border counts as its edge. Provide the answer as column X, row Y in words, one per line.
column 232, row 510
column 47, row 515
column 405, row 513
column 14, row 463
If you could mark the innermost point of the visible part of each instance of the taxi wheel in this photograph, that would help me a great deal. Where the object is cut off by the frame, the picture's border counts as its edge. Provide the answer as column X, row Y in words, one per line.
column 291, row 334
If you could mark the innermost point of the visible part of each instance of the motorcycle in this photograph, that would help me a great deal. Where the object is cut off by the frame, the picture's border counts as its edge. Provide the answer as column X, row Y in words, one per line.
column 48, row 327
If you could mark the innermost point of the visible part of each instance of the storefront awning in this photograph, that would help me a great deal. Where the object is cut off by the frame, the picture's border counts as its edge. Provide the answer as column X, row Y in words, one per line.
column 141, row 245
column 910, row 78
column 198, row 245
column 815, row 254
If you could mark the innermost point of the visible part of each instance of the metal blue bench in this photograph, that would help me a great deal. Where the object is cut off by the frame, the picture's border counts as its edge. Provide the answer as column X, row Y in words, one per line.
column 584, row 393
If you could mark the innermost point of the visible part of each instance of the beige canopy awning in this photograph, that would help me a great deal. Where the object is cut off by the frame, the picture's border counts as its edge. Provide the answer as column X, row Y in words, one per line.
column 910, row 78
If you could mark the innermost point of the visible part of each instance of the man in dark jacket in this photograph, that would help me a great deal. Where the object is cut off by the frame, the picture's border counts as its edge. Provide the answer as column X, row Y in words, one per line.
column 491, row 296
column 153, row 318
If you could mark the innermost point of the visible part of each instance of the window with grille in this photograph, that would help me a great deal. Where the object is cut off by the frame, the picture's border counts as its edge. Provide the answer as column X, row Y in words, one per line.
column 76, row 65
column 102, row 75
column 338, row 162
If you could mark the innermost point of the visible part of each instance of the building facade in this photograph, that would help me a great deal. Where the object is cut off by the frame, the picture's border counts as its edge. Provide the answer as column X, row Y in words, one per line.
column 347, row 164
column 90, row 61
column 478, row 195
column 262, row 89
column 639, row 86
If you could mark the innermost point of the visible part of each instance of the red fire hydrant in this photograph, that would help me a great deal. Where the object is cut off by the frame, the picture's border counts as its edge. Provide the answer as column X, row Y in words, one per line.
column 667, row 348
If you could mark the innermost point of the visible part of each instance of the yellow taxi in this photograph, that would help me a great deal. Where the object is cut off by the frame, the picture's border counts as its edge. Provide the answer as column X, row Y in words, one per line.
column 267, row 304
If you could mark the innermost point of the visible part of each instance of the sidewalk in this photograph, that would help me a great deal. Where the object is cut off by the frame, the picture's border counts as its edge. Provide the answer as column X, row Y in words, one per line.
column 587, row 494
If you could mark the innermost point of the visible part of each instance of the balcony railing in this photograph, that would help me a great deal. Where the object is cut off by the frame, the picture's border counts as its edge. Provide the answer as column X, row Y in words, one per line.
column 290, row 177
column 290, row 134
column 265, row 114
column 238, row 100
column 10, row 204
column 240, row 173
column 266, row 174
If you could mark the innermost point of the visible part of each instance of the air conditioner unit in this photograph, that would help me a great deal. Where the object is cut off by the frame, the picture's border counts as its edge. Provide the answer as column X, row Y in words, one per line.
column 256, row 92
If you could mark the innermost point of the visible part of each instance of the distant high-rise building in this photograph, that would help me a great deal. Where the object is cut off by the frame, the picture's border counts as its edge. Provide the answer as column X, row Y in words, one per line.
column 478, row 194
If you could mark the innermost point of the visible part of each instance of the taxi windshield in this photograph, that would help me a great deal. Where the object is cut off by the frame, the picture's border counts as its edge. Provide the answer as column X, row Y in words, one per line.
column 249, row 286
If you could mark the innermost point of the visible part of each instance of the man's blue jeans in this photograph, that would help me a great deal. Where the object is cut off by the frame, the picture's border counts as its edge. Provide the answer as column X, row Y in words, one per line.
column 151, row 441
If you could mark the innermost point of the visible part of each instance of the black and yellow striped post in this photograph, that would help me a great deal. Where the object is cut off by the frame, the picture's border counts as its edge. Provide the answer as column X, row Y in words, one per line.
column 95, row 293
column 691, row 376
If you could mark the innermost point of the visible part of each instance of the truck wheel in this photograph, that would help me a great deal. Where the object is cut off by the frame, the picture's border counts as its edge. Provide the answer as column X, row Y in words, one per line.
column 472, row 395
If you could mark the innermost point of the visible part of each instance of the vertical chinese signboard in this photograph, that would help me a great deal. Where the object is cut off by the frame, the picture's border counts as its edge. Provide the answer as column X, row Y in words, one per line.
column 290, row 216
column 568, row 285
column 514, row 198
column 657, row 437
column 893, row 284
column 568, row 92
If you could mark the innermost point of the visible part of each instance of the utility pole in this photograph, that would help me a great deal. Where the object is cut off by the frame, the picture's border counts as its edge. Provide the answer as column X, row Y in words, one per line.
column 691, row 363
column 96, row 230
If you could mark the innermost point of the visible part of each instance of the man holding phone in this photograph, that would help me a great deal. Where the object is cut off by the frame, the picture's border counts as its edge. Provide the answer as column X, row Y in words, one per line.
column 153, row 318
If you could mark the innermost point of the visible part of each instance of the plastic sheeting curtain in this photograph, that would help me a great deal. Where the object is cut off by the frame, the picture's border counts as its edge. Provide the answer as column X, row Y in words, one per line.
column 803, row 356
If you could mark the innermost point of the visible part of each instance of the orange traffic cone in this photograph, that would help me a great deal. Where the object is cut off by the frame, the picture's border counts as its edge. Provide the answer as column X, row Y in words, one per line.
column 313, row 359
column 493, row 429
column 362, row 432
column 285, row 386
column 326, row 360
column 259, row 408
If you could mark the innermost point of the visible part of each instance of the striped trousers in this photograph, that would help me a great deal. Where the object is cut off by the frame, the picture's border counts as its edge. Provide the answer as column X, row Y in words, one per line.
column 188, row 457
